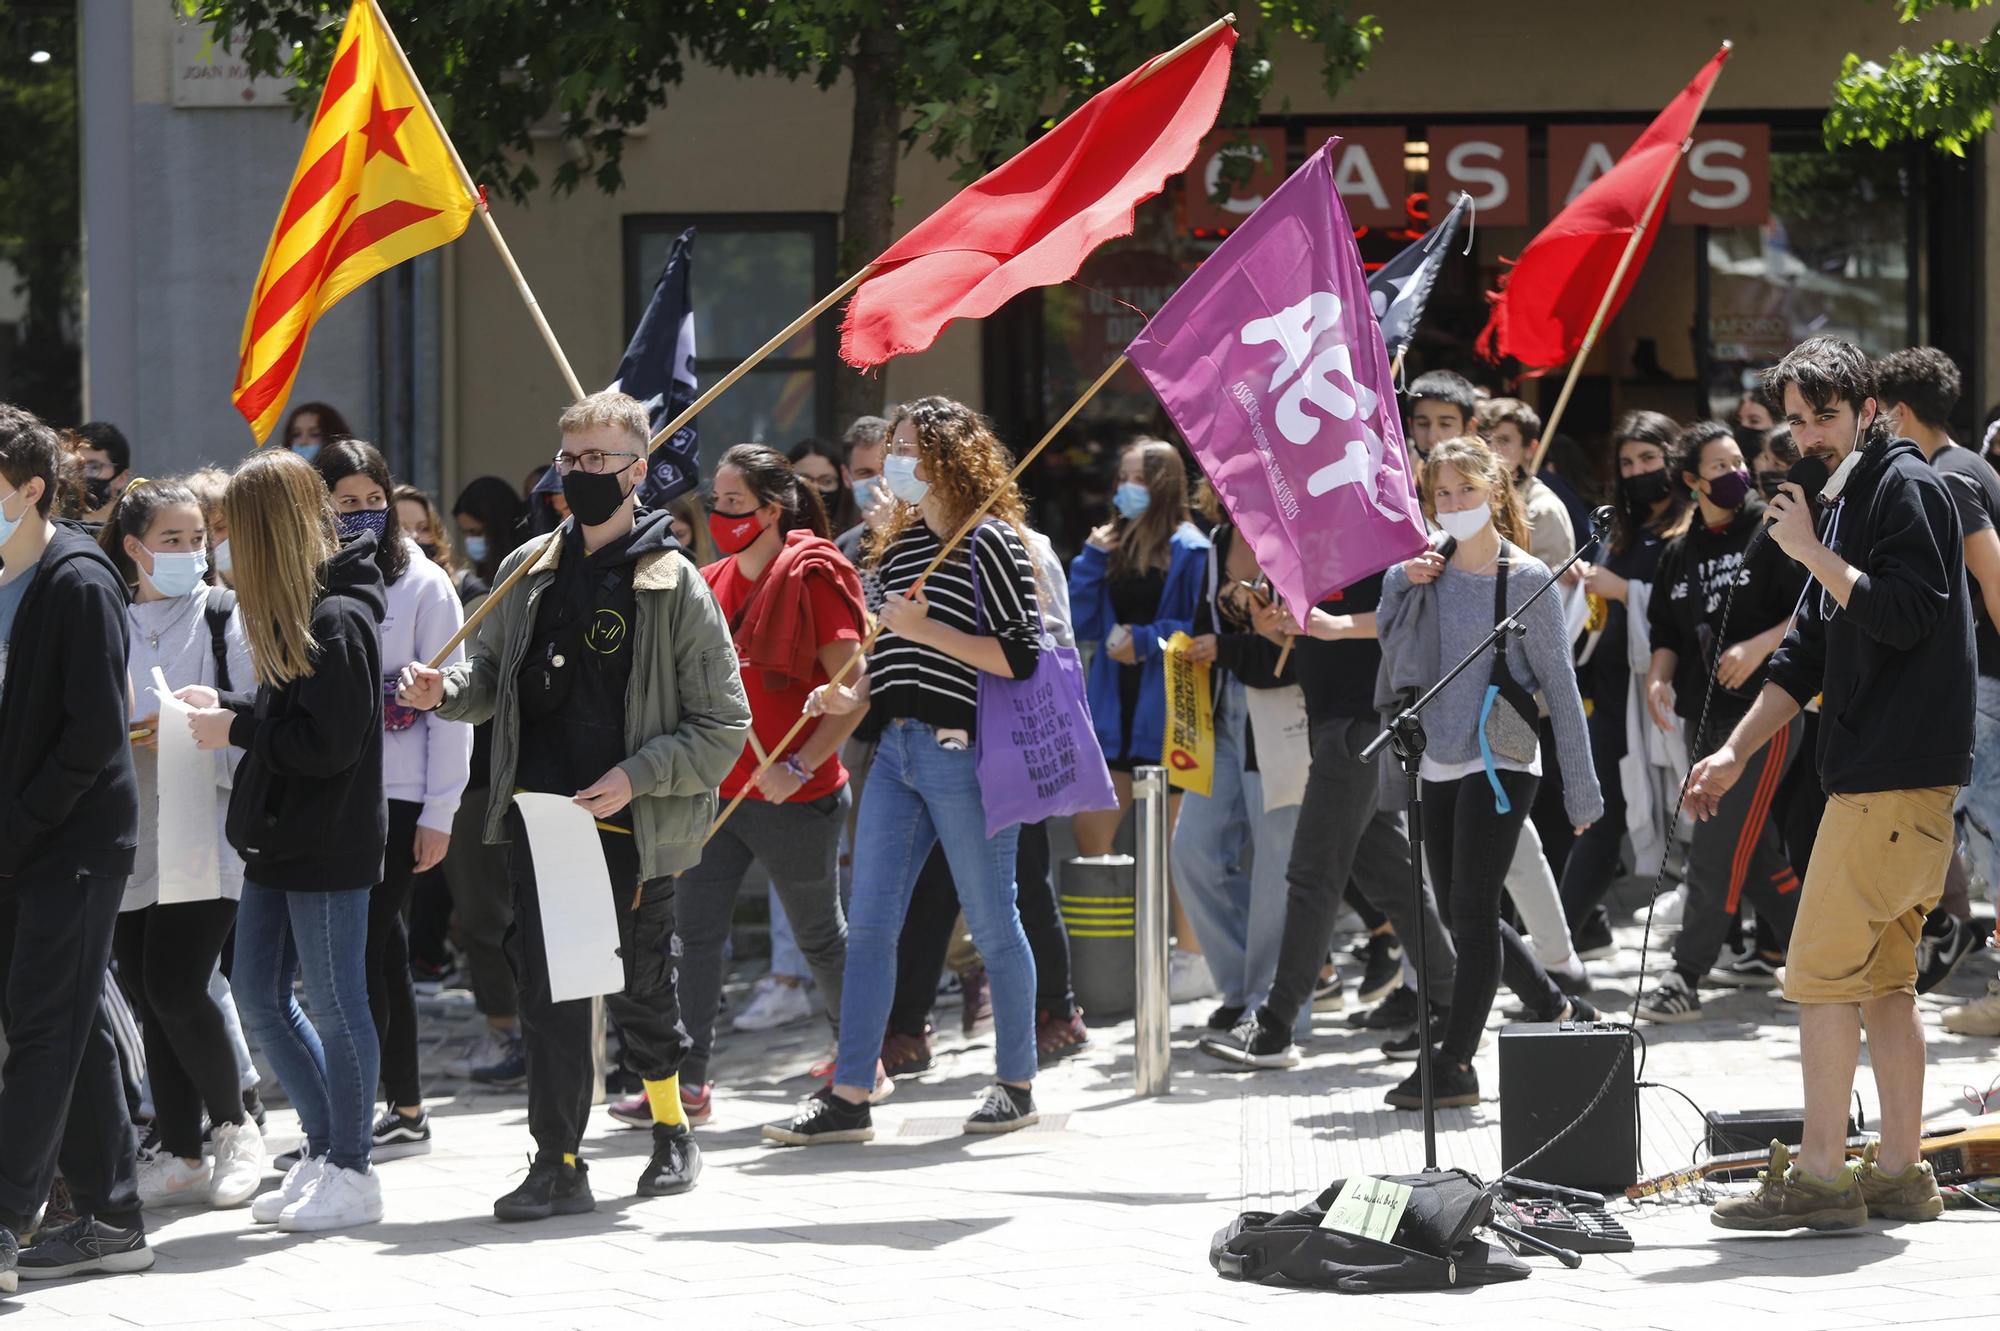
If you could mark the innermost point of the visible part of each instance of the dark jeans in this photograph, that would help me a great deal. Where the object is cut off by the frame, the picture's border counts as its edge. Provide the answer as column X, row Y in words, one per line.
column 61, row 1095
column 799, row 844
column 559, row 1038
column 391, row 1000
column 165, row 957
column 482, row 901
column 1550, row 815
column 1468, row 844
column 926, row 936
column 1345, row 836
column 1371, row 919
column 1595, row 857
column 1738, row 854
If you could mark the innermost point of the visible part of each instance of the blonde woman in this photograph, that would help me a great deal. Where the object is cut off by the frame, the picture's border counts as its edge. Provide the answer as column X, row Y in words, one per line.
column 308, row 816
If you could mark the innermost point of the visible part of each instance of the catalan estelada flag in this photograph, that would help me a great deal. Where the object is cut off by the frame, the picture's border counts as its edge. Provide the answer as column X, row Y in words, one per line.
column 377, row 184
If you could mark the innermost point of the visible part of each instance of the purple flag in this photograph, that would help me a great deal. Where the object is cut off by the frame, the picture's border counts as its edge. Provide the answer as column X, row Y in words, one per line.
column 1271, row 364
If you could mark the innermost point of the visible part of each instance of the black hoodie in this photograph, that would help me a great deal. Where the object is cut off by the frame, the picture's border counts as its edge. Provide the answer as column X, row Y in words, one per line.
column 307, row 813
column 1896, row 665
column 72, row 806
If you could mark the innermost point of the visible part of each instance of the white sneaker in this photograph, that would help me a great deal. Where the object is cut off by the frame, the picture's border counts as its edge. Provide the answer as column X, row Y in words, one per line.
column 489, row 1049
column 167, row 1180
column 266, row 1209
column 1188, row 977
column 775, row 1005
column 239, row 1164
column 1979, row 1017
column 1666, row 911
column 337, row 1199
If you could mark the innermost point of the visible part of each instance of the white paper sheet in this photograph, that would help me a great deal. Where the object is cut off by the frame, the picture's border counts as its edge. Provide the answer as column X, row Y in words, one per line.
column 579, row 910
column 1284, row 743
column 190, row 852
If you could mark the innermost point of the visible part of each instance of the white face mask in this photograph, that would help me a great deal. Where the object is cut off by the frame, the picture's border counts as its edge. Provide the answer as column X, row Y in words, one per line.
column 1466, row 523
column 222, row 556
column 901, row 474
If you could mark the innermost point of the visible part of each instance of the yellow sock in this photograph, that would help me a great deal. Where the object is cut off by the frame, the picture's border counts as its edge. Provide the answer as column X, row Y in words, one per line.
column 665, row 1099
column 569, row 1158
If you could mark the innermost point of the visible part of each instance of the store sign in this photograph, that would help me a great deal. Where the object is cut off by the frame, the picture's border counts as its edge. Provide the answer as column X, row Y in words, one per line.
column 1725, row 180
column 206, row 75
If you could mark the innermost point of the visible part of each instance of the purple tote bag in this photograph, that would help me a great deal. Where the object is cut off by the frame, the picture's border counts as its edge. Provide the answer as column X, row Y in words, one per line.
column 1037, row 753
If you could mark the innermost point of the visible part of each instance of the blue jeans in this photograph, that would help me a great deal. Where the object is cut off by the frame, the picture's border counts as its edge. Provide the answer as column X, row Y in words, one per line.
column 329, row 1069
column 1979, row 802
column 917, row 795
column 1229, row 857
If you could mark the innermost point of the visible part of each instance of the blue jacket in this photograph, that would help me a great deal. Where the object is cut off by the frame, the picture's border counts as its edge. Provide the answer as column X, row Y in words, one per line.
column 1090, row 604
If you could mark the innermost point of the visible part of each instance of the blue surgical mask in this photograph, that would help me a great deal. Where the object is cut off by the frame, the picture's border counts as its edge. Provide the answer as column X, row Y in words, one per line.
column 1130, row 499
column 867, row 492
column 308, row 452
column 7, row 524
column 356, row 521
column 475, row 549
column 177, row 572
column 901, row 475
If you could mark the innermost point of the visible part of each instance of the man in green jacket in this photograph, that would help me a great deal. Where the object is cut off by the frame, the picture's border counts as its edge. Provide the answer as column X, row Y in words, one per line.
column 610, row 678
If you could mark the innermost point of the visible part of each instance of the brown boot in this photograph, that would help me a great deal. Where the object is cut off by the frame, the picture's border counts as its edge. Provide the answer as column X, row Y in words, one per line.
column 1789, row 1198
column 1910, row 1195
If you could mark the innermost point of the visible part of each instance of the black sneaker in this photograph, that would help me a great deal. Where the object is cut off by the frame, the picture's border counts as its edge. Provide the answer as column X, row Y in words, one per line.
column 1397, row 1012
column 1452, row 1086
column 1576, row 1009
column 1593, row 938
column 676, row 1162
column 1224, row 1018
column 1403, row 1049
column 253, row 1105
column 823, row 1119
column 10, row 1257
column 1383, row 974
column 397, row 1136
column 1257, row 1042
column 85, row 1246
column 551, row 1188
column 1673, row 999
column 1945, row 941
column 1747, row 968
column 1327, row 991
column 1005, row 1109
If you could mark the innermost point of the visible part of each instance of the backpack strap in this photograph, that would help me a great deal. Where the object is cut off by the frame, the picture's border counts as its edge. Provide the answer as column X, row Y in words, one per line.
column 220, row 605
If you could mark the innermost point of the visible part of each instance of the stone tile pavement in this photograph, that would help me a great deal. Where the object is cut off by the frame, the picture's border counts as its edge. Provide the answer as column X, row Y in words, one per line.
column 1102, row 1216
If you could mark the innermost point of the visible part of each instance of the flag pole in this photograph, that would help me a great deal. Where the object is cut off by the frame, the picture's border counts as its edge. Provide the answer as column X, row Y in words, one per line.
column 1618, row 276
column 485, row 213
column 965, row 529
column 839, row 293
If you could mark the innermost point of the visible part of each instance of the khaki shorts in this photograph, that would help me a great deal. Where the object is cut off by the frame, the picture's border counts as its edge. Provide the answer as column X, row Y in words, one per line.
column 1877, row 869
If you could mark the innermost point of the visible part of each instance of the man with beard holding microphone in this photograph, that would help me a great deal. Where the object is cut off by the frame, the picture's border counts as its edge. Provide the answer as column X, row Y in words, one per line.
column 1884, row 634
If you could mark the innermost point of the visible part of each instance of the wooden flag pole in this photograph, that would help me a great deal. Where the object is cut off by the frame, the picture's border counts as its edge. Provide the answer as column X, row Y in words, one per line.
column 1618, row 276
column 784, row 745
column 485, row 213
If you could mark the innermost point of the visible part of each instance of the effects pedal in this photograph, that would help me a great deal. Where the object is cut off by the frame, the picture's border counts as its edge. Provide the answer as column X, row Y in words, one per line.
column 1578, row 1228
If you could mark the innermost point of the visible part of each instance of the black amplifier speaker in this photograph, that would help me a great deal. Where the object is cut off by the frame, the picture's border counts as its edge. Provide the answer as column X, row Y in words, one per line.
column 1548, row 1073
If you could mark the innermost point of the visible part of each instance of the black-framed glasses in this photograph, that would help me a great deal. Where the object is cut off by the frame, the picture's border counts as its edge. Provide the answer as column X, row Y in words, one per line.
column 594, row 461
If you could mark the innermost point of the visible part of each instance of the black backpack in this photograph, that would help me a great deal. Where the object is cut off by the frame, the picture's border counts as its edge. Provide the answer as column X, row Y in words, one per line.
column 221, row 604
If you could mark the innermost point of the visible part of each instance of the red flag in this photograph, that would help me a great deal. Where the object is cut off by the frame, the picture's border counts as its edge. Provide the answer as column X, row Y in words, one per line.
column 1034, row 219
column 1547, row 299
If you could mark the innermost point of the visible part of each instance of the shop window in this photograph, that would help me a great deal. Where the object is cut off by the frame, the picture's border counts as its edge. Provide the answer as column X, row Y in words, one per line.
column 753, row 274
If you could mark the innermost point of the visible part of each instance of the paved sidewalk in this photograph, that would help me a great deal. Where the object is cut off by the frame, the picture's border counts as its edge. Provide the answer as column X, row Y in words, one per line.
column 1102, row 1216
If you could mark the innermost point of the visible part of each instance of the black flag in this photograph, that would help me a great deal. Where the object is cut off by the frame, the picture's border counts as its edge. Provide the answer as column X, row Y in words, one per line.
column 1400, row 288
column 658, row 369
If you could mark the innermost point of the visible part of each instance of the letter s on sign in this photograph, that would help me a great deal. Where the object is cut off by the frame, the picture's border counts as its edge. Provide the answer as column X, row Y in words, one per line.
column 1719, row 162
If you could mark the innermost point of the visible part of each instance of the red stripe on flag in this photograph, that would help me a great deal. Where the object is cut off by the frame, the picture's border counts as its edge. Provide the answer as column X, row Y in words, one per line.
column 300, row 280
column 338, row 80
column 313, row 185
column 274, row 382
column 377, row 224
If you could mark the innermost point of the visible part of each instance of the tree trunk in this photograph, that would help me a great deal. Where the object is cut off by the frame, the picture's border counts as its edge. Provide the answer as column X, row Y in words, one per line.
column 867, row 214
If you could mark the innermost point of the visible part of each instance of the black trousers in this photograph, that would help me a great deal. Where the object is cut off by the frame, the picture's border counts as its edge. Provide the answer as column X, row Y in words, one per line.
column 1469, row 845
column 165, row 957
column 1595, row 858
column 391, row 1000
column 61, row 1095
column 926, row 938
column 557, row 1036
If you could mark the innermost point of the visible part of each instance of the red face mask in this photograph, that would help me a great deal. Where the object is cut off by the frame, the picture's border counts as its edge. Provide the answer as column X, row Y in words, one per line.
column 733, row 535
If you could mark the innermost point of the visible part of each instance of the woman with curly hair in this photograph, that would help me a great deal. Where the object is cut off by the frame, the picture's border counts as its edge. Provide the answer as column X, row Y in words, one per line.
column 977, row 611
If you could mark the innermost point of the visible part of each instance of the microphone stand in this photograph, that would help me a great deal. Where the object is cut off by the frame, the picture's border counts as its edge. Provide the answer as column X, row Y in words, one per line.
column 1405, row 732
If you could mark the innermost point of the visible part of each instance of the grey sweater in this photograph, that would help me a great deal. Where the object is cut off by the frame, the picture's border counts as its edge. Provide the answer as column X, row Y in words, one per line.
column 1427, row 630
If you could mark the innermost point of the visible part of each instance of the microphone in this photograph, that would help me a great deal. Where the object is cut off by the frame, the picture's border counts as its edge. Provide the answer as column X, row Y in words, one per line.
column 1601, row 520
column 1811, row 474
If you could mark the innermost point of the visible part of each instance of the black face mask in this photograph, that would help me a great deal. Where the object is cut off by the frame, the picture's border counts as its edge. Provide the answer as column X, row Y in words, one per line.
column 593, row 499
column 98, row 488
column 430, row 550
column 1647, row 488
